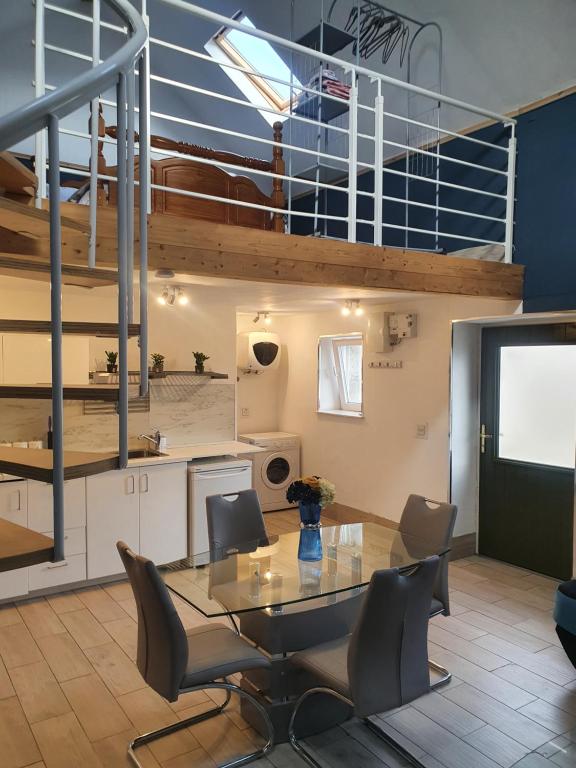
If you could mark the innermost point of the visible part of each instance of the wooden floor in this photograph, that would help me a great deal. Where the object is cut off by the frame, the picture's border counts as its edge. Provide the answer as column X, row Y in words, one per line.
column 71, row 697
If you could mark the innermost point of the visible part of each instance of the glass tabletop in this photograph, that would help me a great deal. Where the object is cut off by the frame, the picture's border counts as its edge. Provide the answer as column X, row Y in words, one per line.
column 291, row 568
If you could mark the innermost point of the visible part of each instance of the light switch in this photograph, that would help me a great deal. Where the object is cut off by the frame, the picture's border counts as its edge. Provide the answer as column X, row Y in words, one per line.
column 422, row 431
column 245, row 412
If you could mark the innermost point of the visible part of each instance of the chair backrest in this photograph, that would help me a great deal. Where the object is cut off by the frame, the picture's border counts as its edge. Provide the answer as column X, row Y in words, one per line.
column 162, row 654
column 388, row 651
column 431, row 522
column 234, row 519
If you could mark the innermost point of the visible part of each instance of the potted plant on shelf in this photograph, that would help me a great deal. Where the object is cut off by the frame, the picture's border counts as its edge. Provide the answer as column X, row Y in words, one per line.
column 200, row 359
column 111, row 361
column 312, row 493
column 157, row 363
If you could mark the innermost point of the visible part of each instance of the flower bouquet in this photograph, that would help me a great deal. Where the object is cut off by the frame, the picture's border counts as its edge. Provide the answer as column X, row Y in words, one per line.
column 312, row 494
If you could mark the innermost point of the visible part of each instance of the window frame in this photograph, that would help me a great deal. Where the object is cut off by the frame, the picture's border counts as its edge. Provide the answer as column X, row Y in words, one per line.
column 228, row 50
column 331, row 380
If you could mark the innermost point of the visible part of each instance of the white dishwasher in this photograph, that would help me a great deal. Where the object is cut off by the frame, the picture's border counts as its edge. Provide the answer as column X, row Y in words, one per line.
column 207, row 477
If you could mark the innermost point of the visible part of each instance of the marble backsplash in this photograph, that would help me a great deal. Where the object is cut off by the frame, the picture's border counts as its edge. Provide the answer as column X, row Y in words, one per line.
column 196, row 411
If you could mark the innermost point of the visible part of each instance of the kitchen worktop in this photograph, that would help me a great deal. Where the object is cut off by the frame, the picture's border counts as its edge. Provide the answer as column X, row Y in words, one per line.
column 193, row 452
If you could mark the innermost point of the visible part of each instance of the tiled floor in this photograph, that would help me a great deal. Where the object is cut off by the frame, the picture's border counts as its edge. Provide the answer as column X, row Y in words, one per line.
column 71, row 697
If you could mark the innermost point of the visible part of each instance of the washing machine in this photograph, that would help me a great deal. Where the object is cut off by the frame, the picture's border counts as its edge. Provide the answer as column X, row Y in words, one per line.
column 275, row 468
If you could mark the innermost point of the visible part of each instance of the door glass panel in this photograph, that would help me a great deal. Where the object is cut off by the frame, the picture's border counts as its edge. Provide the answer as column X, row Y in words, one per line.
column 538, row 404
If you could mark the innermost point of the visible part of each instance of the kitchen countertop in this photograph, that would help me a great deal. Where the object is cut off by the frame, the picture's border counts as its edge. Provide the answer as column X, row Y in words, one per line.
column 192, row 452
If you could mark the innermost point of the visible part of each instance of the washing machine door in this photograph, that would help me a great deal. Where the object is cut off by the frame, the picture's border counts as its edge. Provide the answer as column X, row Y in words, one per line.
column 277, row 471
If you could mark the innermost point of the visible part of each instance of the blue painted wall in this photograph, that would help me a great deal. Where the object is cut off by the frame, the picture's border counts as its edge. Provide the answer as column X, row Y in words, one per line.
column 545, row 215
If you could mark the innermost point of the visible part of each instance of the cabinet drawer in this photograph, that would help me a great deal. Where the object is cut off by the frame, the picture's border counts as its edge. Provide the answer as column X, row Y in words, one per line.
column 13, row 583
column 40, row 505
column 74, row 541
column 67, row 571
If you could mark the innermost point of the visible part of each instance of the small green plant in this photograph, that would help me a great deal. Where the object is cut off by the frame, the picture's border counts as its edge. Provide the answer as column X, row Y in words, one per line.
column 200, row 359
column 111, row 360
column 157, row 362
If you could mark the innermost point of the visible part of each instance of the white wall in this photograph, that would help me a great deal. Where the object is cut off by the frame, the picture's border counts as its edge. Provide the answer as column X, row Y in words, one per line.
column 377, row 461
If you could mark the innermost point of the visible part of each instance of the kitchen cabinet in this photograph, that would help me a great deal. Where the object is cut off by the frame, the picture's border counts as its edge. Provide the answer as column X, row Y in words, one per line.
column 40, row 518
column 40, row 505
column 112, row 513
column 163, row 512
column 14, row 507
column 146, row 507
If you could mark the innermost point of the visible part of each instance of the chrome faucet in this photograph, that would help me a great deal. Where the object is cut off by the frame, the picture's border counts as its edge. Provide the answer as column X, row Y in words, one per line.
column 155, row 439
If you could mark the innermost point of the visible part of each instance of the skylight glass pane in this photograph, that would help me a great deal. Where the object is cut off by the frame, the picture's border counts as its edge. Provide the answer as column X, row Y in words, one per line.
column 262, row 58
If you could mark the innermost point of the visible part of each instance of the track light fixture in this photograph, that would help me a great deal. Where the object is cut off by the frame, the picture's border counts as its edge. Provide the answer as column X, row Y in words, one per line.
column 263, row 315
column 352, row 306
column 172, row 294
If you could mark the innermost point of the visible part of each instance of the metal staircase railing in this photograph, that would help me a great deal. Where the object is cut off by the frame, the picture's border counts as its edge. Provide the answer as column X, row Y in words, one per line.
column 43, row 113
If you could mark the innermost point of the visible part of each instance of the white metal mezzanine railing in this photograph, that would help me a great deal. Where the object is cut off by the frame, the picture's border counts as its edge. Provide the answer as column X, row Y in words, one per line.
column 367, row 140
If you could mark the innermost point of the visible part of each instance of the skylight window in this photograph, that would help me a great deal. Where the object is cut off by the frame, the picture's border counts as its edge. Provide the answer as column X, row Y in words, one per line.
column 231, row 46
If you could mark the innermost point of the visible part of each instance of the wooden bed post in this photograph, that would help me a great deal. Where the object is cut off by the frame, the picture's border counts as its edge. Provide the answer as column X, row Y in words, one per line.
column 278, row 166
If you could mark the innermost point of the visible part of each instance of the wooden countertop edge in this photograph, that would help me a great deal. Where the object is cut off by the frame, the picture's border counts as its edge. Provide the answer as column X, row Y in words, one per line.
column 21, row 546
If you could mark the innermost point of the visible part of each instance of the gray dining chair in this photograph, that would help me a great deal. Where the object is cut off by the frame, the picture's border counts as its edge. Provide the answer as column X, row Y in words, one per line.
column 431, row 522
column 234, row 519
column 174, row 661
column 383, row 664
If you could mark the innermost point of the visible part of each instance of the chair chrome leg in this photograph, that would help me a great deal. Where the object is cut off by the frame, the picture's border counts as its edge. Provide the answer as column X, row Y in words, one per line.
column 230, row 688
column 296, row 746
column 446, row 676
column 392, row 743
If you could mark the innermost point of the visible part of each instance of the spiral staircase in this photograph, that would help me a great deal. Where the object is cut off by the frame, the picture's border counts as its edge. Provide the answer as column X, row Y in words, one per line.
column 25, row 217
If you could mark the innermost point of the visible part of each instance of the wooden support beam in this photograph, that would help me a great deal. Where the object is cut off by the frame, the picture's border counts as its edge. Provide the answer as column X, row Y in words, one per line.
column 15, row 266
column 196, row 247
column 33, row 222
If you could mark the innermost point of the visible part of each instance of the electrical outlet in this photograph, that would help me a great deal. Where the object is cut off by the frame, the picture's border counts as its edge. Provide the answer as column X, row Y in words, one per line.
column 245, row 411
column 422, row 431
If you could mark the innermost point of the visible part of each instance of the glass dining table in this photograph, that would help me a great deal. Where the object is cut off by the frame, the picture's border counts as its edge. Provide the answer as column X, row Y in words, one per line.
column 292, row 568
column 290, row 592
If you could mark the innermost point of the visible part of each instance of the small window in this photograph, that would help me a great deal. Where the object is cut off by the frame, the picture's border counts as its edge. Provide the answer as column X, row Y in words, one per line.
column 340, row 375
column 235, row 47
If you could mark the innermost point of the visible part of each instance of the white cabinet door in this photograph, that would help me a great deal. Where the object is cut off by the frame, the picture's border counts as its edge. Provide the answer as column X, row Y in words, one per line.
column 112, row 507
column 14, row 507
column 163, row 512
column 40, row 505
column 14, row 502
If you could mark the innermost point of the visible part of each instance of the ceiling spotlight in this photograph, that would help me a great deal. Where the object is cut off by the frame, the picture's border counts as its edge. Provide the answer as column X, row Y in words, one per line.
column 164, row 297
column 257, row 318
column 358, row 311
column 182, row 298
column 267, row 318
column 346, row 309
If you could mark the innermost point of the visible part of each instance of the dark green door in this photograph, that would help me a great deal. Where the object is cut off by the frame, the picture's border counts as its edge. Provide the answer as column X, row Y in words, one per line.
column 528, row 445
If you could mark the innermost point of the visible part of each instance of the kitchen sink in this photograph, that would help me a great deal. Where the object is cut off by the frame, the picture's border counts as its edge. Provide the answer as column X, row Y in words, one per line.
column 144, row 453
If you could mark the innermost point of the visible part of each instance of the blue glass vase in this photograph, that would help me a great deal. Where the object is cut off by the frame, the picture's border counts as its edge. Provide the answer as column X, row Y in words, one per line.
column 310, row 545
column 310, row 514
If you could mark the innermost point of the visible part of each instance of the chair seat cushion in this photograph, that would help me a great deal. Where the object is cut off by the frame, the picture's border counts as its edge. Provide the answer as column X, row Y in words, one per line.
column 328, row 663
column 215, row 651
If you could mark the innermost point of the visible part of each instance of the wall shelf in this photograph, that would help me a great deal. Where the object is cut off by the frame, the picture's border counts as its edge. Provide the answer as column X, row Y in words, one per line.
column 105, row 330
column 36, row 463
column 333, row 39
column 107, row 392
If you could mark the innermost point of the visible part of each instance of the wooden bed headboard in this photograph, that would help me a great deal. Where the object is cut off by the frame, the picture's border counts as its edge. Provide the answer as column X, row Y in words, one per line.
column 207, row 179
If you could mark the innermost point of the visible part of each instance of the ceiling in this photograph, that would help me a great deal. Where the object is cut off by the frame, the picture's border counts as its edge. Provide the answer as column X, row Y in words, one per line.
column 250, row 296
